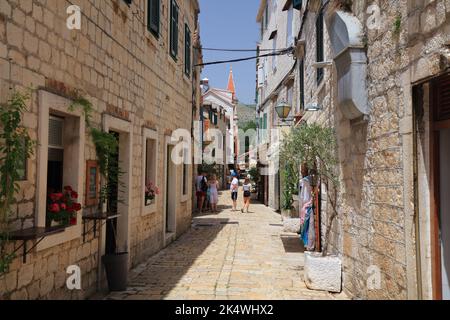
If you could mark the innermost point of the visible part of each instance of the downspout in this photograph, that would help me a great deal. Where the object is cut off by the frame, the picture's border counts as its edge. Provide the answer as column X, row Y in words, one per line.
column 416, row 105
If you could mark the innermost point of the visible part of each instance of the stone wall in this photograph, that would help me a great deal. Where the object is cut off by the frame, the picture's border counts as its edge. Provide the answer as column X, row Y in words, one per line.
column 126, row 72
column 376, row 194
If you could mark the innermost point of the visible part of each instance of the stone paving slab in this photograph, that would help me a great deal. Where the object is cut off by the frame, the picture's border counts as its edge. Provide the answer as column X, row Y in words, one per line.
column 248, row 259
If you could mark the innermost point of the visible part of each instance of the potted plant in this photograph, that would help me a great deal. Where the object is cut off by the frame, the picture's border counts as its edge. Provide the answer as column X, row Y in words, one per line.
column 151, row 191
column 315, row 146
column 62, row 208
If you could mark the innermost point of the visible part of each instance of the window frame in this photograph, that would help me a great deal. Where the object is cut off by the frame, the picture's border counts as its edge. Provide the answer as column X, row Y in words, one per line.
column 187, row 50
column 174, row 36
column 150, row 27
column 149, row 134
column 49, row 104
column 320, row 46
column 302, row 84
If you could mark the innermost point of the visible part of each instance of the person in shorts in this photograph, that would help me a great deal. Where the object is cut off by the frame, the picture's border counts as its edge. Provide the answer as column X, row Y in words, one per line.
column 234, row 188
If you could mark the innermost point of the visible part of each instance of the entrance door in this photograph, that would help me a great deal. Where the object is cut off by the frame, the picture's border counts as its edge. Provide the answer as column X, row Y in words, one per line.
column 170, row 191
column 444, row 212
column 112, row 203
column 441, row 236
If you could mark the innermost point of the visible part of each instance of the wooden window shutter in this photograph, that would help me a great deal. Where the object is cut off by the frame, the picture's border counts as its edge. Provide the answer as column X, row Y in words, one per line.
column 319, row 45
column 187, row 50
column 153, row 16
column 174, row 29
column 302, row 84
column 442, row 98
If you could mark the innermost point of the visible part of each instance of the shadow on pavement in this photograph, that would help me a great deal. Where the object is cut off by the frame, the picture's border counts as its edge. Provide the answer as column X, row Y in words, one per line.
column 292, row 243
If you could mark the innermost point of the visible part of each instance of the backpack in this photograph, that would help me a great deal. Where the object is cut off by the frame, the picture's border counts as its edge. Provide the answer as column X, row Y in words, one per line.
column 204, row 185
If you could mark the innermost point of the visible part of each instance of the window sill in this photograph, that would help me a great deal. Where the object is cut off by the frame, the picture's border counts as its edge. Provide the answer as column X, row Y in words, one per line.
column 184, row 198
column 152, row 39
column 147, row 210
column 70, row 233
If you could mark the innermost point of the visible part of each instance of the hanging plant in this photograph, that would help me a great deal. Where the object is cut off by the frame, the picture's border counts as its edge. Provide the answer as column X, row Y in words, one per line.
column 16, row 145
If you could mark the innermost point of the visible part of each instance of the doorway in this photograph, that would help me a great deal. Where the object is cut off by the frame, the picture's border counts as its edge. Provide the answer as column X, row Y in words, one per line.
column 440, row 110
column 113, row 200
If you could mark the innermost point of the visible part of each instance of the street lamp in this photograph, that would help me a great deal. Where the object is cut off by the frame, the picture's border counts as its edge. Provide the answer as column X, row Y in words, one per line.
column 283, row 109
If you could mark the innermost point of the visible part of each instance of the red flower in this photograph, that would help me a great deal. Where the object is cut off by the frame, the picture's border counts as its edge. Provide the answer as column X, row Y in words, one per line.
column 74, row 194
column 54, row 207
column 76, row 206
column 68, row 188
column 56, row 196
column 73, row 221
column 63, row 206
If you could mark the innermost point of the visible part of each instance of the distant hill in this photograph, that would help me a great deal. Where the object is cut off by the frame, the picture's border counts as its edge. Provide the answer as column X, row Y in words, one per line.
column 245, row 113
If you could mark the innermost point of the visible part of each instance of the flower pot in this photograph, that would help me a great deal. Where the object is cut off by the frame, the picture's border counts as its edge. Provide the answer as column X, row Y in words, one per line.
column 116, row 267
column 323, row 273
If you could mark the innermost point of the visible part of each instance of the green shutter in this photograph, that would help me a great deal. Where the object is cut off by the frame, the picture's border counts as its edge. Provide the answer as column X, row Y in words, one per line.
column 319, row 45
column 153, row 15
column 174, row 29
column 187, row 50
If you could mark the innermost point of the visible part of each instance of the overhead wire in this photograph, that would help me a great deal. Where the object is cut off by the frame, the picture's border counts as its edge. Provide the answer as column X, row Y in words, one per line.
column 275, row 53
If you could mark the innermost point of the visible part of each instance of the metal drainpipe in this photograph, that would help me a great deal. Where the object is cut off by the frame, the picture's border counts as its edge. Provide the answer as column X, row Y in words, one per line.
column 416, row 203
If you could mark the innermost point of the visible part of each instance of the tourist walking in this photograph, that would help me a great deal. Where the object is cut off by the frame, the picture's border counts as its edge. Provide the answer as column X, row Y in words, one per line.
column 213, row 193
column 201, row 184
column 247, row 187
column 234, row 188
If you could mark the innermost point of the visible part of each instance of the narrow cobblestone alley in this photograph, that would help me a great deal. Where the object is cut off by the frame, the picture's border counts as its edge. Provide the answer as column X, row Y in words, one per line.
column 229, row 255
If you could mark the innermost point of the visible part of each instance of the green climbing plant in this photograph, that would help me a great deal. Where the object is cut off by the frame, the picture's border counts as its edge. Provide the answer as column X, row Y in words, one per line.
column 16, row 145
column 106, row 148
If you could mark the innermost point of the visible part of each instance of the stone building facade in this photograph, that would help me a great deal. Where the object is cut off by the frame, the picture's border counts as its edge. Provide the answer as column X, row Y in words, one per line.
column 385, row 92
column 140, row 79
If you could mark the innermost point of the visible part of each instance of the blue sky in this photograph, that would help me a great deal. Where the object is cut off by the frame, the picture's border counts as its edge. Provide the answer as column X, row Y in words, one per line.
column 230, row 24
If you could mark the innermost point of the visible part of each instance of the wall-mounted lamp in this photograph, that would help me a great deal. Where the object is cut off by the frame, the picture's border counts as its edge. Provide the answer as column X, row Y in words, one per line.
column 313, row 107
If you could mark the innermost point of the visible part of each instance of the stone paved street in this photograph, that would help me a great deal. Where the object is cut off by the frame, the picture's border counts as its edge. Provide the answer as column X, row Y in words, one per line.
column 226, row 256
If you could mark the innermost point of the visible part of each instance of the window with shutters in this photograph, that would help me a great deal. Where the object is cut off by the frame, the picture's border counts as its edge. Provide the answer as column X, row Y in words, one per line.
column 60, row 161
column 174, row 12
column 319, row 45
column 302, row 84
column 187, row 50
column 274, row 57
column 153, row 16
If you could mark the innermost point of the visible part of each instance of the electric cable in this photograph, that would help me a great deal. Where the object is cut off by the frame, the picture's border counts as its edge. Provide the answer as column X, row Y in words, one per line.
column 279, row 53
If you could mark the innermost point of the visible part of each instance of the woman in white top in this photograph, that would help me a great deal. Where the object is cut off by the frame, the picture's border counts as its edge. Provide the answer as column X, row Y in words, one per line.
column 247, row 193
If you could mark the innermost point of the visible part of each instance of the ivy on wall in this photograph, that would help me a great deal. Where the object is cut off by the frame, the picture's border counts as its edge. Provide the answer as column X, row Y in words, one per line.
column 15, row 146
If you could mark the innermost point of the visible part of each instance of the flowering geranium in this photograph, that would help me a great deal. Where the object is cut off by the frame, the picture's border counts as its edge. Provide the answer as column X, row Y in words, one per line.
column 150, row 191
column 62, row 207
